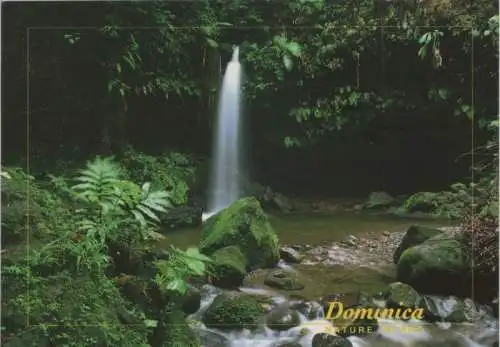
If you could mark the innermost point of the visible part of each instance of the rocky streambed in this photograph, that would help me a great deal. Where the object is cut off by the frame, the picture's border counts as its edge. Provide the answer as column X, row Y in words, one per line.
column 250, row 317
column 271, row 296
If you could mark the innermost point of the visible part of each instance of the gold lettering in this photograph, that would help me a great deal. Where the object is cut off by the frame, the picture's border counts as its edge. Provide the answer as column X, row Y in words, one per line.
column 353, row 329
column 336, row 310
column 349, row 313
column 331, row 306
column 398, row 311
column 364, row 313
column 386, row 313
column 418, row 313
column 406, row 313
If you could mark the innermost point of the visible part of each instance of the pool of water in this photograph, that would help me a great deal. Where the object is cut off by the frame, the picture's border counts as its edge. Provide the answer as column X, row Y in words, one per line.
column 314, row 229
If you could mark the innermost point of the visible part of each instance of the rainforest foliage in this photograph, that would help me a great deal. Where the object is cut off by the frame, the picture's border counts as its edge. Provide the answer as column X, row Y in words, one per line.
column 366, row 83
column 341, row 97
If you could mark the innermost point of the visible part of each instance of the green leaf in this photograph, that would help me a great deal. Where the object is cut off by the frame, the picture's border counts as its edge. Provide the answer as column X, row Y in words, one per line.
column 422, row 52
column 151, row 323
column 443, row 93
column 196, row 266
column 177, row 285
column 139, row 217
column 425, row 38
column 194, row 252
column 294, row 49
column 212, row 43
column 148, row 212
column 288, row 62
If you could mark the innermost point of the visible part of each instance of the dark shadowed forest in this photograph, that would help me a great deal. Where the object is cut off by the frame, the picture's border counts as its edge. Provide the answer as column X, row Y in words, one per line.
column 368, row 117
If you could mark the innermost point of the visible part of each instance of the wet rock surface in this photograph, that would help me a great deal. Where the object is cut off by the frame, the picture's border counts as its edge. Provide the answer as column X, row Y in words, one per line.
column 291, row 255
column 328, row 340
column 282, row 319
column 370, row 249
column 284, row 279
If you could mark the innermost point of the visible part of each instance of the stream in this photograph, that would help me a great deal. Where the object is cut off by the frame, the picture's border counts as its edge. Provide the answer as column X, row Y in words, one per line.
column 320, row 232
column 391, row 333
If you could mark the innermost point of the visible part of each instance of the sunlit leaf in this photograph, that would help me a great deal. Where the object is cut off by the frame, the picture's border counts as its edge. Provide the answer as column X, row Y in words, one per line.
column 288, row 62
column 294, row 49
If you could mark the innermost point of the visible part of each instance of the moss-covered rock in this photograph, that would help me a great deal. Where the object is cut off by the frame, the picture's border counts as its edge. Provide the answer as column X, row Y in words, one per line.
column 328, row 340
column 229, row 267
column 282, row 319
column 284, row 279
column 437, row 266
column 233, row 311
column 414, row 236
column 402, row 295
column 245, row 225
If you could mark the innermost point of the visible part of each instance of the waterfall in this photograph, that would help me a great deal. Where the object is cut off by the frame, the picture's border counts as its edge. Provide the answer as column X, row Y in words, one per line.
column 224, row 186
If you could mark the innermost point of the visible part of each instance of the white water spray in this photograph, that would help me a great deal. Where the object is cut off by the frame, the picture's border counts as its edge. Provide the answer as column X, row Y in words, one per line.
column 225, row 176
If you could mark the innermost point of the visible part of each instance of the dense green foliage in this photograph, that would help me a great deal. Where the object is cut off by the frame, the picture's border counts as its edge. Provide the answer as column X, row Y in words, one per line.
column 341, row 97
column 367, row 83
column 59, row 265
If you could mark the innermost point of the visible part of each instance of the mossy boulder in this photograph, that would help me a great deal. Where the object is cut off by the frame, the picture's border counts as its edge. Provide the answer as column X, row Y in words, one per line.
column 229, row 267
column 245, row 225
column 282, row 319
column 402, row 295
column 437, row 266
column 233, row 311
column 414, row 236
column 284, row 279
column 328, row 340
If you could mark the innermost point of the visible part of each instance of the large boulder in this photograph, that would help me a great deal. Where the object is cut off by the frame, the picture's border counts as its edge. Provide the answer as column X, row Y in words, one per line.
column 328, row 340
column 245, row 225
column 414, row 236
column 437, row 266
column 233, row 311
column 282, row 319
column 229, row 267
column 284, row 279
column 402, row 295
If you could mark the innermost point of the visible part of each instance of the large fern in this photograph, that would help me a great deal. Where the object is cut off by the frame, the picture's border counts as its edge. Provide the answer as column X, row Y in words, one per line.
column 101, row 184
column 98, row 183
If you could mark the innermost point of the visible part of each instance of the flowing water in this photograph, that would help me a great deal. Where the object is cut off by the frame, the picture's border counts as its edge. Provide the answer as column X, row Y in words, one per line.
column 225, row 187
column 321, row 279
column 391, row 333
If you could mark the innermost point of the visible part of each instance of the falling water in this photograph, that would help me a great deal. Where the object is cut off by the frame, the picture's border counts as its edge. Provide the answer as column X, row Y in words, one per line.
column 224, row 185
